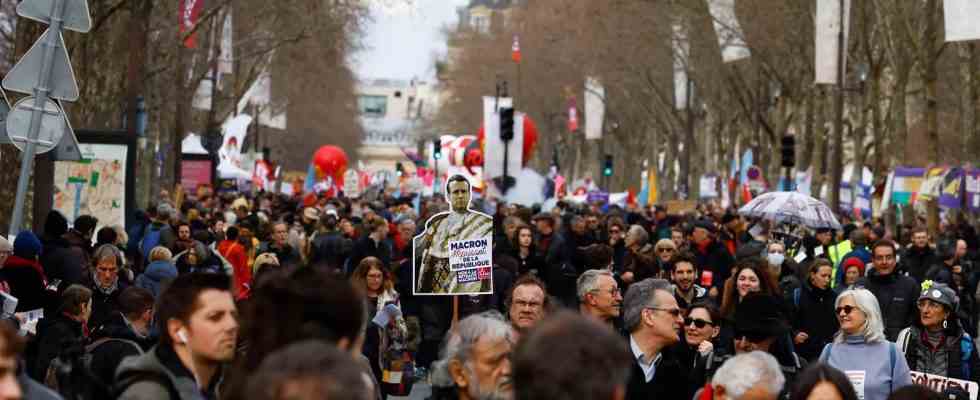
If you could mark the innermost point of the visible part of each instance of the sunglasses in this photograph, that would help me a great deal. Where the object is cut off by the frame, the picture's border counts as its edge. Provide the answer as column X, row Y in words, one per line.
column 665, row 250
column 846, row 309
column 698, row 323
column 754, row 337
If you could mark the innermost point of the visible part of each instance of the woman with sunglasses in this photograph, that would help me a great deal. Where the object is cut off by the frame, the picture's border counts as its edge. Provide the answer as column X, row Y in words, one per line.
column 861, row 350
column 936, row 343
column 814, row 322
column 701, row 326
column 666, row 252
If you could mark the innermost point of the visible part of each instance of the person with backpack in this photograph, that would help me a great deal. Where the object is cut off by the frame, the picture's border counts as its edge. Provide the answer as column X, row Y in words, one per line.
column 124, row 334
column 936, row 343
column 861, row 346
column 158, row 233
column 61, row 331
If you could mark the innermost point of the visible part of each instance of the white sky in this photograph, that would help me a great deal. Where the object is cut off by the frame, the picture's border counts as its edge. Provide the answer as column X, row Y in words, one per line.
column 404, row 38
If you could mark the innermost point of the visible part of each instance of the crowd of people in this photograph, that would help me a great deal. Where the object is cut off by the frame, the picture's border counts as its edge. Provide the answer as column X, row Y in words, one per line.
column 229, row 296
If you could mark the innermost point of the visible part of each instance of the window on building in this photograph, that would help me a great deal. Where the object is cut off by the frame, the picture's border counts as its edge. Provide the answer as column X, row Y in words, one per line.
column 480, row 23
column 373, row 106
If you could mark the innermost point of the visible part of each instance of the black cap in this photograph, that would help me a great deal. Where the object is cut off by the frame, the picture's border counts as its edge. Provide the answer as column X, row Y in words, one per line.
column 760, row 315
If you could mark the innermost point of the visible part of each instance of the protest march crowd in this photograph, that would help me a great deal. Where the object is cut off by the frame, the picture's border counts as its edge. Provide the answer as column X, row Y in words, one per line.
column 266, row 296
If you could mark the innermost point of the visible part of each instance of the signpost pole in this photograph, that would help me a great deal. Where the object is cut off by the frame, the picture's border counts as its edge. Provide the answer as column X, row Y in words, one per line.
column 40, row 100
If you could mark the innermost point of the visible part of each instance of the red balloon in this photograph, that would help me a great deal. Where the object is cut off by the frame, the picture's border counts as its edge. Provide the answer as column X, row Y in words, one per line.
column 530, row 138
column 330, row 161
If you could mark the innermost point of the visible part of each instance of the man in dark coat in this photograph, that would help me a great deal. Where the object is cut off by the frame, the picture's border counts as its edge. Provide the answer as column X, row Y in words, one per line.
column 80, row 238
column 57, row 257
column 919, row 256
column 712, row 256
column 63, row 329
column 550, row 245
column 372, row 245
column 654, row 321
column 330, row 248
column 105, row 285
column 122, row 334
column 897, row 294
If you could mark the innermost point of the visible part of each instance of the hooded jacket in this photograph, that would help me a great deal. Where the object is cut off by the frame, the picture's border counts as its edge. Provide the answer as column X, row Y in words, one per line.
column 156, row 274
column 159, row 374
column 27, row 282
column 897, row 297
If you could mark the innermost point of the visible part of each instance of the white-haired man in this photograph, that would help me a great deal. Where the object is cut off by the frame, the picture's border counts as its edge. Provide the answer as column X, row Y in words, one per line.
column 599, row 296
column 477, row 360
column 749, row 376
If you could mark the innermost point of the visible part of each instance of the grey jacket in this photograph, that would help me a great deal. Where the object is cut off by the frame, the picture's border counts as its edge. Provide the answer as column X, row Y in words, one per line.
column 150, row 365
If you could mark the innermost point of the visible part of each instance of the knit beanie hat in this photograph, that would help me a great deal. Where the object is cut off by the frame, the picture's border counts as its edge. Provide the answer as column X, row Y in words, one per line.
column 27, row 245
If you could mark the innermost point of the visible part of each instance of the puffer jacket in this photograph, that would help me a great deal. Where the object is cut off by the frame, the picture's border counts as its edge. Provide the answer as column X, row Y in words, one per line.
column 947, row 360
column 156, row 274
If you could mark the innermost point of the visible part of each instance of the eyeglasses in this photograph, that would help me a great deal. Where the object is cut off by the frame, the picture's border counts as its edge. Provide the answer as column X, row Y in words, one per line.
column 699, row 323
column 846, row 309
column 612, row 291
column 665, row 250
column 528, row 304
column 674, row 312
column 929, row 304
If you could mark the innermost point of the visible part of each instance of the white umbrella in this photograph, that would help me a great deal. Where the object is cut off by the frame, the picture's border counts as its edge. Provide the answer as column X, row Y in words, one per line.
column 792, row 208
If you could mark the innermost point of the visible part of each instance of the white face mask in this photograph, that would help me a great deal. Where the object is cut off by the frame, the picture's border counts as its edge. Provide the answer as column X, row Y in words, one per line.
column 776, row 259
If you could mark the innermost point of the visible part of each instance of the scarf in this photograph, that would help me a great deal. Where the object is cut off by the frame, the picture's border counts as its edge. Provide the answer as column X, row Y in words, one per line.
column 106, row 290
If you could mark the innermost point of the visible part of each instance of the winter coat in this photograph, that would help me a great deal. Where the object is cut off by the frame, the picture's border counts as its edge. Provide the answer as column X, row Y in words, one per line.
column 330, row 249
column 286, row 254
column 670, row 381
column 80, row 248
column 104, row 304
column 814, row 314
column 950, row 351
column 367, row 247
column 715, row 258
column 61, row 262
column 108, row 354
column 916, row 261
column 897, row 296
column 54, row 334
column 235, row 253
column 171, row 379
column 156, row 274
column 27, row 283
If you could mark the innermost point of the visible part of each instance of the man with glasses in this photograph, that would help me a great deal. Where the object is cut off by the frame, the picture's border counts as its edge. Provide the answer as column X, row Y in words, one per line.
column 527, row 303
column 599, row 296
column 654, row 322
column 896, row 293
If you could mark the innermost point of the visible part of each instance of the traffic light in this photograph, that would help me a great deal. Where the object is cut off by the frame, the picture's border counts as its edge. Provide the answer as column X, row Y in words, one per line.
column 789, row 151
column 399, row 170
column 607, row 168
column 437, row 149
column 506, row 124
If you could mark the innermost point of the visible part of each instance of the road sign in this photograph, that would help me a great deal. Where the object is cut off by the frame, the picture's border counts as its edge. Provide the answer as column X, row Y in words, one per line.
column 75, row 17
column 24, row 77
column 67, row 150
column 52, row 125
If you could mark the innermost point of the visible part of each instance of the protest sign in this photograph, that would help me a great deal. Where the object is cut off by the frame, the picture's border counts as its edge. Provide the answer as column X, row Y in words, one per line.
column 940, row 383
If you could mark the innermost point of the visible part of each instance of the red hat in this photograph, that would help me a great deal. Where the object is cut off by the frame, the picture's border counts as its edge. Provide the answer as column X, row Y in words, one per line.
column 853, row 262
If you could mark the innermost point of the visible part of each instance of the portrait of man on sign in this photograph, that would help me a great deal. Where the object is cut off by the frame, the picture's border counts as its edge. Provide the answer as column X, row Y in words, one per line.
column 453, row 255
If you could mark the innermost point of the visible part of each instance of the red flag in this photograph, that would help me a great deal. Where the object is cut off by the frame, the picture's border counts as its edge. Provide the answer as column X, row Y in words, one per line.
column 572, row 116
column 190, row 10
column 515, row 50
